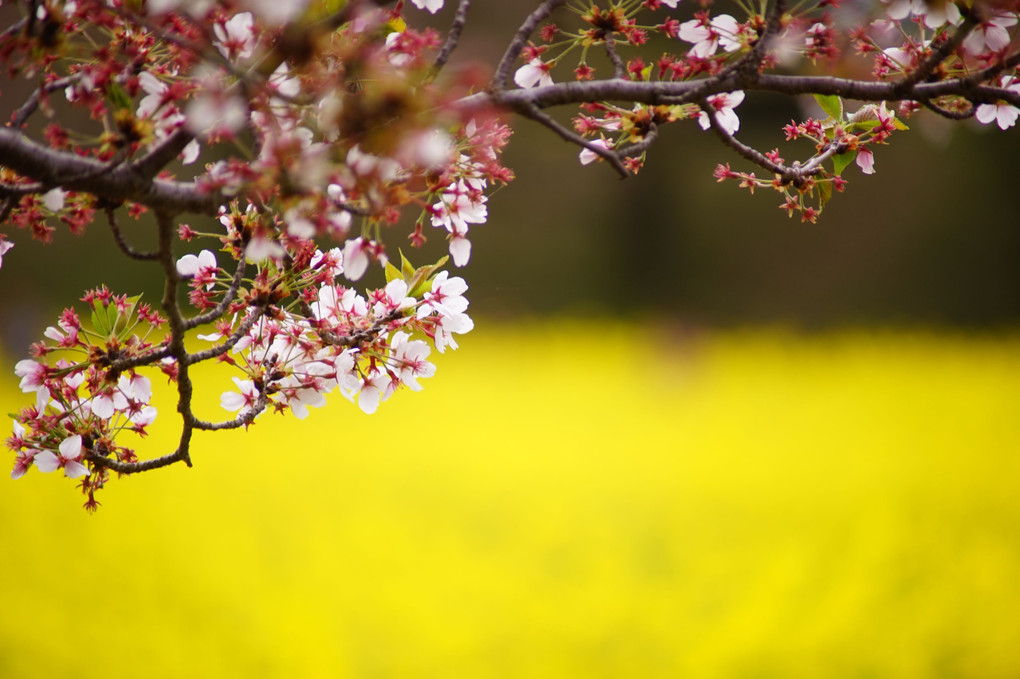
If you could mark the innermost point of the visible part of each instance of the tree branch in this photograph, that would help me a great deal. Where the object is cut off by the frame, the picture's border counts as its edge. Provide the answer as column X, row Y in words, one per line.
column 115, row 184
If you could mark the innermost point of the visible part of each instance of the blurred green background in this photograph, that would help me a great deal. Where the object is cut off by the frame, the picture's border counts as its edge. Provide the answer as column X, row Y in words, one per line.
column 689, row 437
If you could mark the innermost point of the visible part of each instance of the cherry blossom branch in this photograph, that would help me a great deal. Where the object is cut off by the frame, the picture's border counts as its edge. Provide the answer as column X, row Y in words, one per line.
column 242, row 420
column 663, row 92
column 175, row 346
column 939, row 54
column 121, row 364
column 179, row 455
column 78, row 173
column 231, row 341
column 789, row 174
column 752, row 154
column 499, row 80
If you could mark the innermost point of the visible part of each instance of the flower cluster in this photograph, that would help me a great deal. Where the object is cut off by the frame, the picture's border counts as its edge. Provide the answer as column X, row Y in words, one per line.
column 87, row 392
column 363, row 346
column 907, row 39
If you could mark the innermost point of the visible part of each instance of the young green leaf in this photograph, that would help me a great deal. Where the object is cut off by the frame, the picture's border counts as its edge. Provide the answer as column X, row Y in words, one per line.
column 831, row 104
column 824, row 193
column 840, row 161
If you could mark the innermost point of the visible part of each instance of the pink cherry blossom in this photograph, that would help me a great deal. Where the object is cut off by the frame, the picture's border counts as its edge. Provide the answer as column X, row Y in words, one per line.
column 54, row 199
column 394, row 298
column 276, row 12
column 5, row 245
column 33, row 375
column 201, row 267
column 446, row 297
column 535, row 73
column 372, row 391
column 236, row 36
column 460, row 249
column 24, row 457
column 866, row 161
column 70, row 452
column 1002, row 113
column 934, row 14
column 242, row 400
column 355, row 258
column 587, row 156
column 724, row 114
column 409, row 360
column 708, row 36
column 432, row 6
column 261, row 248
column 991, row 35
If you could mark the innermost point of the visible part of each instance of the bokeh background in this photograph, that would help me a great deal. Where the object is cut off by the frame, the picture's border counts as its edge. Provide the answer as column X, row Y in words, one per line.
column 689, row 437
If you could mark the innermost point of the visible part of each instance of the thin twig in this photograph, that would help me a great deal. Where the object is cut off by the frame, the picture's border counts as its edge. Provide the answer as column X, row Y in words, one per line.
column 231, row 341
column 499, row 81
column 453, row 37
column 639, row 147
column 619, row 70
column 32, row 103
column 122, row 243
column 609, row 155
column 242, row 420
column 752, row 154
column 135, row 467
column 947, row 113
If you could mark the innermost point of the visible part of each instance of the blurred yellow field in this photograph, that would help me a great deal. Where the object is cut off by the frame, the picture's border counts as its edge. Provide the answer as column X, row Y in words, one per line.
column 560, row 501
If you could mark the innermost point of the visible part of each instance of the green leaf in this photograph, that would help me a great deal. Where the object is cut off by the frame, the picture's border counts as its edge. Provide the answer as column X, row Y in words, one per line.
column 421, row 282
column 831, row 104
column 406, row 267
column 863, row 125
column 840, row 161
column 899, row 124
column 824, row 193
column 99, row 323
column 392, row 273
column 104, row 318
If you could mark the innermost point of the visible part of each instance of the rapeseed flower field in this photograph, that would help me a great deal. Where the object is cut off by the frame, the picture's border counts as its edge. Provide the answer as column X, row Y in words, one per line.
column 563, row 500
